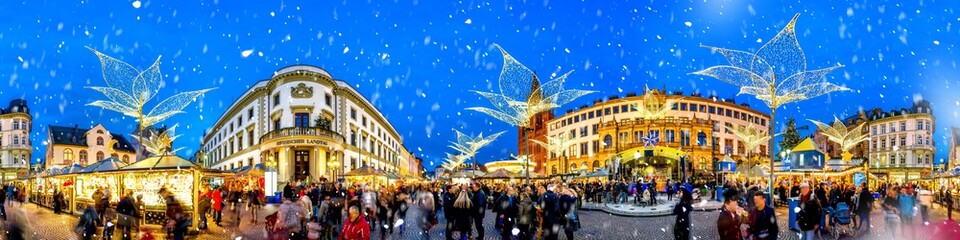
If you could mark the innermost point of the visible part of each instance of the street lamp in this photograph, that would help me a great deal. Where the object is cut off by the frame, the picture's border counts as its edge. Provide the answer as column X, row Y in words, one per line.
column 332, row 167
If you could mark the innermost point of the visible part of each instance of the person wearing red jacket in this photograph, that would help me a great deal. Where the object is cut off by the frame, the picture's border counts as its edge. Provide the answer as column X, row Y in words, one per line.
column 356, row 228
column 217, row 197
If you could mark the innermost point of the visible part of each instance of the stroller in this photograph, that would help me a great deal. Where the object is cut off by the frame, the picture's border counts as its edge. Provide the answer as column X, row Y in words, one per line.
column 840, row 220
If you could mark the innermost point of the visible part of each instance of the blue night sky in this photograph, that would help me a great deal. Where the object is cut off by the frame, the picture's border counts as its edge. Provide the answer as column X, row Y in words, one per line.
column 416, row 61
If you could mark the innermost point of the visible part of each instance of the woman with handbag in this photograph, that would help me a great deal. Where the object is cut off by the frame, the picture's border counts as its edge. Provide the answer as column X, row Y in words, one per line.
column 126, row 215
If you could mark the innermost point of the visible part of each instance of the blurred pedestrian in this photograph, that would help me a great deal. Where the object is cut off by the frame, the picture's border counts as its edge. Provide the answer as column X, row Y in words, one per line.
column 681, row 226
column 18, row 225
column 86, row 228
column 127, row 215
column 728, row 222
column 808, row 219
column 762, row 219
column 356, row 228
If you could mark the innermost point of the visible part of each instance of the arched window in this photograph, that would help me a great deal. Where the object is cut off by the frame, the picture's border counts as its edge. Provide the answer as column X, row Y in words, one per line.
column 607, row 141
column 67, row 155
column 114, row 155
column 573, row 167
column 596, row 164
column 553, row 169
column 126, row 158
column 99, row 142
column 583, row 166
column 99, row 156
column 83, row 157
column 701, row 139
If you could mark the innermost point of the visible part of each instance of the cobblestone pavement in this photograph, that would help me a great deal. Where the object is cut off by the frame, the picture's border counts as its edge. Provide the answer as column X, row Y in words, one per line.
column 596, row 225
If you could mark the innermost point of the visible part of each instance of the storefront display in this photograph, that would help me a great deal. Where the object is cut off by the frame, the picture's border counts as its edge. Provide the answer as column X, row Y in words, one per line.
column 149, row 184
column 88, row 184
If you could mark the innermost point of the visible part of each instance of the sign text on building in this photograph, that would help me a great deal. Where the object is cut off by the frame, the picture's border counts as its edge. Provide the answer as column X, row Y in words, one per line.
column 301, row 141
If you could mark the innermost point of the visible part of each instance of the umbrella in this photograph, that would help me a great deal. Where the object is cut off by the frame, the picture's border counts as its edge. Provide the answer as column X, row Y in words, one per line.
column 107, row 164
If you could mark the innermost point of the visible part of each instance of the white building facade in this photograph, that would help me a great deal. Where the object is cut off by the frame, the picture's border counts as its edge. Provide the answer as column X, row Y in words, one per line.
column 306, row 125
column 15, row 147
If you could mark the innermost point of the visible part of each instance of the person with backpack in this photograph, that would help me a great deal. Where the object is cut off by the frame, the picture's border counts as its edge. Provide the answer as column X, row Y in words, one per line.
column 87, row 226
column 289, row 219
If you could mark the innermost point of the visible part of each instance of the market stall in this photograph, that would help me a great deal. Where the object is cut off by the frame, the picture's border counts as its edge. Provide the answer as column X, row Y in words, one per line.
column 500, row 175
column 97, row 176
column 366, row 175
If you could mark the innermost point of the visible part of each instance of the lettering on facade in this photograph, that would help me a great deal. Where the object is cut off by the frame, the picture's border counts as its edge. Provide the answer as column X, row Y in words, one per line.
column 302, row 142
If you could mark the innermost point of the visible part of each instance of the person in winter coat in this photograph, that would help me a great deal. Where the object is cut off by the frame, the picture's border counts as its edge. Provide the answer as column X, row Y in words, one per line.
column 808, row 219
column 507, row 210
column 356, row 228
column 449, row 197
column 728, row 223
column 864, row 206
column 217, row 197
column 18, row 226
column 290, row 218
column 479, row 209
column 203, row 207
column 568, row 207
column 526, row 215
column 254, row 203
column 99, row 206
column 127, row 211
column 428, row 215
column 399, row 206
column 550, row 205
column 88, row 223
column 907, row 203
column 462, row 213
column 762, row 219
column 681, row 226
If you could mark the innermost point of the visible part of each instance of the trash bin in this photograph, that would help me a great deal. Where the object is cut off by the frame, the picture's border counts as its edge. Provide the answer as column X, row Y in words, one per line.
column 719, row 194
column 793, row 208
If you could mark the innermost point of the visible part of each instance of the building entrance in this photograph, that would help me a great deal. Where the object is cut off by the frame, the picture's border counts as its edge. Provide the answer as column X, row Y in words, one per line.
column 301, row 161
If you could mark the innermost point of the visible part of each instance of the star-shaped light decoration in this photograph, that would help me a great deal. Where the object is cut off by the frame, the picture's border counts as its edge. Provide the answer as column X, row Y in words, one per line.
column 838, row 133
column 651, row 140
column 161, row 142
column 522, row 95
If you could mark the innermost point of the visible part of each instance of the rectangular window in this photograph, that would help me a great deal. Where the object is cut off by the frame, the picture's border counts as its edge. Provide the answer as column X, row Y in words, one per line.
column 623, row 108
column 674, row 107
column 239, row 121
column 729, row 112
column 363, row 121
column 736, row 114
column 353, row 113
column 712, row 110
column 328, row 100
column 583, row 116
column 250, row 113
column 583, row 149
column 302, row 120
column 683, row 107
column 596, row 129
column 903, row 141
column 719, row 111
column 670, row 136
column 703, row 108
column 903, row 126
column 583, row 132
column 606, row 111
column 276, row 124
column 591, row 115
column 693, row 107
column 616, row 110
column 240, row 141
column 599, row 113
column 576, row 119
column 276, row 99
column 873, row 130
column 250, row 136
column 919, row 140
column 573, row 133
column 763, row 122
column 596, row 146
column 919, row 124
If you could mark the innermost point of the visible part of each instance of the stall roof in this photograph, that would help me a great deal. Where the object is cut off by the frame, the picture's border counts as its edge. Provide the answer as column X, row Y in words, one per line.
column 73, row 168
column 500, row 174
column 107, row 164
column 162, row 162
column 364, row 171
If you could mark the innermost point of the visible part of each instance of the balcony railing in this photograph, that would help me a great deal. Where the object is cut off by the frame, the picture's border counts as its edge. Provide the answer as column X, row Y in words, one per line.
column 17, row 146
column 5, row 166
column 302, row 131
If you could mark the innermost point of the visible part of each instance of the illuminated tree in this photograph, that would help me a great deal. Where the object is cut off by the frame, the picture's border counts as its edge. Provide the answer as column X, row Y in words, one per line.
column 776, row 74
column 843, row 136
column 128, row 90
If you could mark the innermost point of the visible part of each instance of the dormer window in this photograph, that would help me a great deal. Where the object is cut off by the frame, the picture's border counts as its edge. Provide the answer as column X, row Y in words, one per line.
column 99, row 141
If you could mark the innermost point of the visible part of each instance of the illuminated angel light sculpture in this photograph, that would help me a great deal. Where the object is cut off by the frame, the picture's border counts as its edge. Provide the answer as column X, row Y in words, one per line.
column 558, row 146
column 838, row 133
column 522, row 95
column 751, row 137
column 776, row 74
column 128, row 90
column 453, row 161
column 469, row 145
column 161, row 142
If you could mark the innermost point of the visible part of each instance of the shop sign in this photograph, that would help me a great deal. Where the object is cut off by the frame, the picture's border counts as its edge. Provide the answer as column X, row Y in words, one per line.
column 302, row 142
